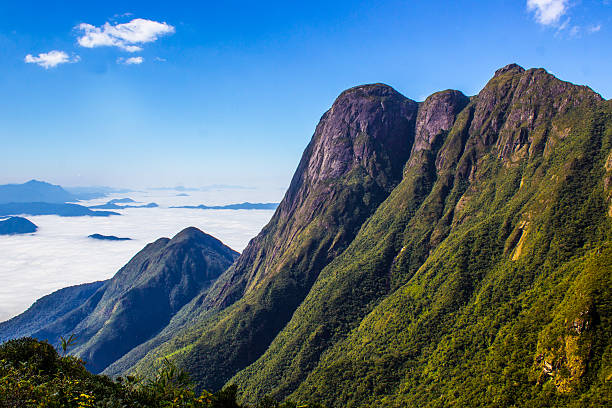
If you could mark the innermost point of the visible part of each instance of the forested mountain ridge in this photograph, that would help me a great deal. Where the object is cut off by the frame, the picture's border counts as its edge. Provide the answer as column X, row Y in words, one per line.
column 474, row 283
column 484, row 202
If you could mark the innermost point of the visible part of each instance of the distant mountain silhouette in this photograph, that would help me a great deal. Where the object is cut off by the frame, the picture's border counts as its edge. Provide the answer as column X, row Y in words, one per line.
column 17, row 225
column 111, row 205
column 121, row 200
column 91, row 193
column 240, row 206
column 107, row 237
column 34, row 191
column 63, row 210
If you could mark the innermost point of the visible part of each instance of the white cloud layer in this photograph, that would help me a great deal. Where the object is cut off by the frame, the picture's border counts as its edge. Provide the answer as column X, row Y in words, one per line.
column 547, row 12
column 130, row 61
column 127, row 36
column 59, row 254
column 50, row 59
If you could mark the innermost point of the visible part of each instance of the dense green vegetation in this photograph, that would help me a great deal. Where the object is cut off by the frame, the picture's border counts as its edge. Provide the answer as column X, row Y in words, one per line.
column 488, row 287
column 33, row 374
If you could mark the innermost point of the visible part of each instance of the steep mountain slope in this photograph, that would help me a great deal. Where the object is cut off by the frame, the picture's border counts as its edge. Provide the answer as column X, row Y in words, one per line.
column 353, row 162
column 142, row 297
column 483, row 279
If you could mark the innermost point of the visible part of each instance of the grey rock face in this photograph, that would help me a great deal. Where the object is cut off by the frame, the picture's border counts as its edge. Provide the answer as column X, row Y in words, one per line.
column 361, row 123
column 369, row 130
column 436, row 117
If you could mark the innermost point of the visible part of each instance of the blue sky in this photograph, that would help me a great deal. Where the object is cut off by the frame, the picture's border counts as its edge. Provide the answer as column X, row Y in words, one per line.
column 230, row 92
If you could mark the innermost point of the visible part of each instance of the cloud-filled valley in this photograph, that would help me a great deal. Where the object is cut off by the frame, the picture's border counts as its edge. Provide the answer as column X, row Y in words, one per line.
column 60, row 253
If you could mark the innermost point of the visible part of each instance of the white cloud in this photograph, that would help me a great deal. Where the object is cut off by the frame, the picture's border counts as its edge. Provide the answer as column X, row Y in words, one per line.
column 575, row 31
column 130, row 61
column 564, row 25
column 548, row 12
column 594, row 29
column 127, row 36
column 50, row 59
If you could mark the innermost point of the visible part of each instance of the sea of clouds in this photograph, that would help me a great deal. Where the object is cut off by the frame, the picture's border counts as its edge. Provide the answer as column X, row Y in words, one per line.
column 60, row 254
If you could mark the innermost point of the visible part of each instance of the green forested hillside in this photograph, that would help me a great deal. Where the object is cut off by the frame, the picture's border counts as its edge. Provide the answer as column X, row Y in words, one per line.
column 33, row 374
column 489, row 286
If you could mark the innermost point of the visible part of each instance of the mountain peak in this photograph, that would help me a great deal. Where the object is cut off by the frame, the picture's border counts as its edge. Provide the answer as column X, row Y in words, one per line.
column 376, row 89
column 193, row 235
column 34, row 181
column 189, row 233
column 514, row 68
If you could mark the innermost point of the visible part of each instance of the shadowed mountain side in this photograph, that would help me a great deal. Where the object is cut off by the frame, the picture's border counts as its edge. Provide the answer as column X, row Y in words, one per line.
column 46, row 310
column 142, row 297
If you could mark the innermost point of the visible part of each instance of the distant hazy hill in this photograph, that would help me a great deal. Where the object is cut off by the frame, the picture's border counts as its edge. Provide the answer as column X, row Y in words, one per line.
column 34, row 191
column 241, row 206
column 16, row 225
column 120, row 200
column 63, row 210
column 90, row 193
column 107, row 237
column 112, row 205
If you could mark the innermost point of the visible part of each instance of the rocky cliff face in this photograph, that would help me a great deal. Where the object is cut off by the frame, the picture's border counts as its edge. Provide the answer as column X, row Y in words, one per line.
column 515, row 107
column 354, row 160
column 436, row 116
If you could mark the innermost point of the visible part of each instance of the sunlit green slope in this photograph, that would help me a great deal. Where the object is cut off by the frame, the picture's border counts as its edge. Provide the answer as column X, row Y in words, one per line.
column 483, row 279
